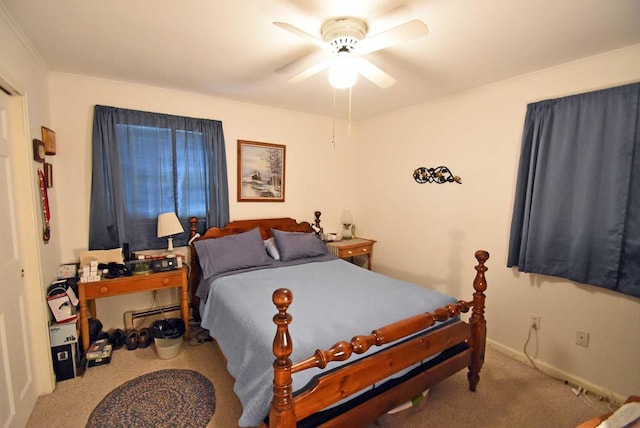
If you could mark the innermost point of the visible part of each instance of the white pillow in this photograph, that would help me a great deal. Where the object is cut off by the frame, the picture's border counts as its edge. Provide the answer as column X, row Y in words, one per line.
column 272, row 250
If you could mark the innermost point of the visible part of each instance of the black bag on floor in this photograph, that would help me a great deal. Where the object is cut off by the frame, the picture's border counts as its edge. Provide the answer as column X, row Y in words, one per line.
column 171, row 328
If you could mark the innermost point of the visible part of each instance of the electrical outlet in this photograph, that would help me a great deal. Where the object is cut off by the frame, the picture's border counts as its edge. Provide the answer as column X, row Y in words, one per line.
column 582, row 338
column 534, row 321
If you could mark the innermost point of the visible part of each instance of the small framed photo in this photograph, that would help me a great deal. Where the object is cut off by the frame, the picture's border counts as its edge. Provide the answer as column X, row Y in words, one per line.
column 38, row 150
column 49, row 140
column 48, row 174
column 261, row 172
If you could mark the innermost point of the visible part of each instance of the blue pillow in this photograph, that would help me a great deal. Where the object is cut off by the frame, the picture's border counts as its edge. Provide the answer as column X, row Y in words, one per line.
column 298, row 245
column 232, row 252
column 272, row 250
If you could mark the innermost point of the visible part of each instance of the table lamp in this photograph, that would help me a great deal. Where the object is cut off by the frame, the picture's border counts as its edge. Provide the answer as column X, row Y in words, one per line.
column 169, row 225
column 347, row 220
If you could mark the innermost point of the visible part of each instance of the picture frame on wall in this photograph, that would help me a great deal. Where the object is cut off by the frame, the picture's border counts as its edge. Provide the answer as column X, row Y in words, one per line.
column 38, row 150
column 49, row 140
column 48, row 174
column 261, row 171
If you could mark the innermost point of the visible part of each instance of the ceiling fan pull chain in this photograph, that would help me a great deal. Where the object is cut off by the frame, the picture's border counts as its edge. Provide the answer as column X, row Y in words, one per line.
column 333, row 120
column 349, row 127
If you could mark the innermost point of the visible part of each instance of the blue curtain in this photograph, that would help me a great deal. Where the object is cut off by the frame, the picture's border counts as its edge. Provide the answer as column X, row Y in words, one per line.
column 145, row 164
column 577, row 203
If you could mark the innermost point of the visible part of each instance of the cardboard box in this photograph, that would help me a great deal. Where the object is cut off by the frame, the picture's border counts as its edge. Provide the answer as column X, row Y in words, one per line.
column 63, row 333
column 99, row 361
column 65, row 349
column 99, row 353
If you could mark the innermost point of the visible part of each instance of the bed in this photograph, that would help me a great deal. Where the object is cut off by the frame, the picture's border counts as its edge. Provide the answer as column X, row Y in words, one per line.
column 361, row 344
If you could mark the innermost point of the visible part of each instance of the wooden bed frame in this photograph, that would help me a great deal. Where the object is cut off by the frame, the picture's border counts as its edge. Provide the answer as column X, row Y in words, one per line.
column 287, row 410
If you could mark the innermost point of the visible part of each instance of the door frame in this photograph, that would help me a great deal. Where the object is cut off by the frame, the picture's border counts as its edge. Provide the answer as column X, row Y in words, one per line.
column 26, row 195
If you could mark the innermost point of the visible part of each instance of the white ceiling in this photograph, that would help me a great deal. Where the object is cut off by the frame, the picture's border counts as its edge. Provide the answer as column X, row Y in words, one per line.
column 231, row 49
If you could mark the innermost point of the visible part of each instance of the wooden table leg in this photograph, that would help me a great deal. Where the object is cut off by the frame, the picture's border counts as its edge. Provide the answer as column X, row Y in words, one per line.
column 84, row 320
column 184, row 303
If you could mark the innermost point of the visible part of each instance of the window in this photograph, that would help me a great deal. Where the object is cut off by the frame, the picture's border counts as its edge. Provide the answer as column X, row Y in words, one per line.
column 145, row 164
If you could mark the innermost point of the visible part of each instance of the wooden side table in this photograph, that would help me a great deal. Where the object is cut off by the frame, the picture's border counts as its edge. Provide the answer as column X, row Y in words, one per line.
column 90, row 291
column 350, row 248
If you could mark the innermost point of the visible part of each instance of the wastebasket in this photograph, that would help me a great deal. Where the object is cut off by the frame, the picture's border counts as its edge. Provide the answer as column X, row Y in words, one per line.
column 167, row 336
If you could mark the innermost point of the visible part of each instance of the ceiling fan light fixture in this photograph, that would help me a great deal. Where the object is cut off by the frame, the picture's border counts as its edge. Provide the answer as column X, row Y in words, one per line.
column 343, row 73
column 346, row 37
column 343, row 33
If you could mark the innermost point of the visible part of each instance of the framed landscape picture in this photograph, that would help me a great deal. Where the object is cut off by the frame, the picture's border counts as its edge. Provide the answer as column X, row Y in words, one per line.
column 48, row 174
column 261, row 172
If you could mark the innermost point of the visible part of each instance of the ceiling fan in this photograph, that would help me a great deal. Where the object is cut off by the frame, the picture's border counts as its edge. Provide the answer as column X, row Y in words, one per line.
column 346, row 40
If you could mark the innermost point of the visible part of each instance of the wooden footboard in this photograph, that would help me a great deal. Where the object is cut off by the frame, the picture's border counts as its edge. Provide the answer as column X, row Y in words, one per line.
column 286, row 410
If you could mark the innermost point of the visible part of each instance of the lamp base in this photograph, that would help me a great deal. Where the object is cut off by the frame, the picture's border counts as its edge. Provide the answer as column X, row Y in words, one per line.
column 346, row 231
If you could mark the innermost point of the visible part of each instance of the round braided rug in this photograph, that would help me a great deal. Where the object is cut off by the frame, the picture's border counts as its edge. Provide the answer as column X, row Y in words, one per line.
column 165, row 398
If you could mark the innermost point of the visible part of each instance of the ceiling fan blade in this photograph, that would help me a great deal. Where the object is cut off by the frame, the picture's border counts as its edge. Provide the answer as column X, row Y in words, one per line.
column 309, row 56
column 298, row 32
column 373, row 73
column 402, row 33
column 311, row 71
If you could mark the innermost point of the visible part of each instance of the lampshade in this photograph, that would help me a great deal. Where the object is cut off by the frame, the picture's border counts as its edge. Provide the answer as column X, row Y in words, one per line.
column 346, row 217
column 168, row 224
column 343, row 73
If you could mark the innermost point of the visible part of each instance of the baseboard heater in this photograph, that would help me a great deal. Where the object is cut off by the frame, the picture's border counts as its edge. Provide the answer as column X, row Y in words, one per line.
column 145, row 317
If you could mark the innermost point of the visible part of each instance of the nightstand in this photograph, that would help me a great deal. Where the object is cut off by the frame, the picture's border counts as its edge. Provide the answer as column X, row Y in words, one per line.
column 90, row 291
column 350, row 248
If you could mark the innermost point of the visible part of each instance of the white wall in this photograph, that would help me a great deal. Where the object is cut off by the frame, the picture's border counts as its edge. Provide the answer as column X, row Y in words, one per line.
column 315, row 170
column 427, row 233
column 22, row 70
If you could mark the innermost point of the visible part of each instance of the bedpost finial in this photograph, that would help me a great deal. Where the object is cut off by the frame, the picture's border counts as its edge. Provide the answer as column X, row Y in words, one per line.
column 482, row 256
column 282, row 298
column 193, row 226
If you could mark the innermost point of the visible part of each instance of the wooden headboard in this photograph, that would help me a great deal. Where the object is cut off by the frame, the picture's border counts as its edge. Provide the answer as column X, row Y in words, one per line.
column 238, row 226
column 265, row 224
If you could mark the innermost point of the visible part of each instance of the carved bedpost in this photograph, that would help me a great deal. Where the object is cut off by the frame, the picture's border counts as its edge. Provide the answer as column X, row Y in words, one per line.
column 317, row 220
column 282, row 414
column 193, row 226
column 477, row 321
column 194, row 273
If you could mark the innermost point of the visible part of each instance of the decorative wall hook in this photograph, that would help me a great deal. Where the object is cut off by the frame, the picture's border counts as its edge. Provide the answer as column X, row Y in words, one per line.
column 438, row 175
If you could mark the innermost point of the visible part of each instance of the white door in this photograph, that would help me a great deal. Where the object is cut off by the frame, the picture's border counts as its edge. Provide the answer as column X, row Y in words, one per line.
column 16, row 378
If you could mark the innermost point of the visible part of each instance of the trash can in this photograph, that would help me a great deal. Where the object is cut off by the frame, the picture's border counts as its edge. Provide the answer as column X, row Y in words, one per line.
column 167, row 336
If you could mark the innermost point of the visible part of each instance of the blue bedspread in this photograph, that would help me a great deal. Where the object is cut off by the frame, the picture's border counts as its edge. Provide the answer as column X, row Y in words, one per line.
column 332, row 301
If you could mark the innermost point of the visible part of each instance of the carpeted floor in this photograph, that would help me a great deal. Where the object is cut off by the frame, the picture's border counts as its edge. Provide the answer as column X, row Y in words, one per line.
column 510, row 394
column 73, row 400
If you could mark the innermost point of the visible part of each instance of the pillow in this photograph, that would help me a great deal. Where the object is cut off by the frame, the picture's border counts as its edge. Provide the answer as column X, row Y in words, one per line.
column 243, row 250
column 272, row 250
column 298, row 245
